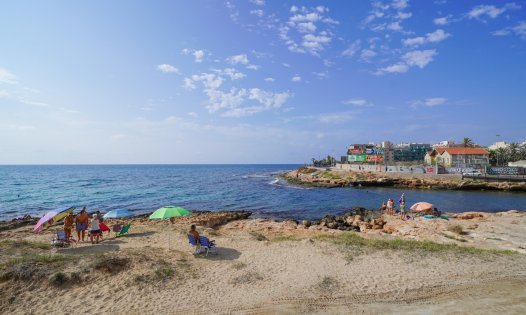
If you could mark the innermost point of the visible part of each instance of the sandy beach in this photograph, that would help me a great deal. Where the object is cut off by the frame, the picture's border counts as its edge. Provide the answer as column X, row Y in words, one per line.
column 269, row 267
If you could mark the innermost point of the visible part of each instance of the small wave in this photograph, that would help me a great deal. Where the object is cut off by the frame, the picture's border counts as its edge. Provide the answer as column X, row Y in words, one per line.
column 274, row 182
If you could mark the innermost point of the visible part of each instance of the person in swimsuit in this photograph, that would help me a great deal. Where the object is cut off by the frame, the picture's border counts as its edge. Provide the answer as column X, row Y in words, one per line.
column 81, row 221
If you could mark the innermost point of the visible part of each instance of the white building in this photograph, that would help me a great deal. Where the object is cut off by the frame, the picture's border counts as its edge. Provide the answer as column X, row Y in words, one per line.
column 498, row 145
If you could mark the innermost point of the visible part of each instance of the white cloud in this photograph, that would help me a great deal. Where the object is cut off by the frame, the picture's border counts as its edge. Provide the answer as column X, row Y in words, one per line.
column 434, row 37
column 367, row 55
column 7, row 77
column 193, row 114
column 242, row 59
column 321, row 75
column 491, row 11
column 395, row 68
column 198, row 55
column 429, row 102
column 269, row 79
column 286, row 65
column 442, row 20
column 352, row 49
column 258, row 2
column 419, row 58
column 238, row 59
column 359, row 102
column 296, row 78
column 519, row 30
column 269, row 99
column 258, row 12
column 232, row 73
column 166, row 68
column 307, row 30
column 188, row 84
column 231, row 101
column 399, row 4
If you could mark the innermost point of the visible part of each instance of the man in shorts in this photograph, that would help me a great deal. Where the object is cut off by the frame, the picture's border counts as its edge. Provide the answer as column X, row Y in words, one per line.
column 82, row 224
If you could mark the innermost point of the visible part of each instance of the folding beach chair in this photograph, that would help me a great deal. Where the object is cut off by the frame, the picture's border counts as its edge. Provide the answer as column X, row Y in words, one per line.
column 206, row 244
column 124, row 230
column 61, row 240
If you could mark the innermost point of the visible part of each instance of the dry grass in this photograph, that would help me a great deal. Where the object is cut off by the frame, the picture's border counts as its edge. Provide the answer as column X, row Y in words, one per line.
column 352, row 239
column 456, row 228
column 247, row 278
column 258, row 236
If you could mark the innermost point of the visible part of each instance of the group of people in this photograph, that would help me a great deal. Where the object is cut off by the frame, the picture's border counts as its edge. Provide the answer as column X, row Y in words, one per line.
column 389, row 208
column 82, row 222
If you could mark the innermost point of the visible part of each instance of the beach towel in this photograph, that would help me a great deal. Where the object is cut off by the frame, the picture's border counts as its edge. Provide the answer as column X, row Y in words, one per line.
column 104, row 227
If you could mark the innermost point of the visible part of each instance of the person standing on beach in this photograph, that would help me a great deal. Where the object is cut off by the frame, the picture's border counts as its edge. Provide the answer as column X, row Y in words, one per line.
column 402, row 210
column 68, row 225
column 82, row 224
column 390, row 205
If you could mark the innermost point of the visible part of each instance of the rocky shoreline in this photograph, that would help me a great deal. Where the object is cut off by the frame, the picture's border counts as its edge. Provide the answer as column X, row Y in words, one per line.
column 313, row 177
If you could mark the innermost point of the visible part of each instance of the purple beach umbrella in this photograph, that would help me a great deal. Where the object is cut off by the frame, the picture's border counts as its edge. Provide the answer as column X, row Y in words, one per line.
column 55, row 215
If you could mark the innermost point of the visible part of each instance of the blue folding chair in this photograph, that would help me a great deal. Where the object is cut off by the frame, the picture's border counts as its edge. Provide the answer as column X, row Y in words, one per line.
column 205, row 243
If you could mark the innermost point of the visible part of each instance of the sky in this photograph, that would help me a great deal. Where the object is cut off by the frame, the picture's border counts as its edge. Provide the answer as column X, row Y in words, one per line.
column 255, row 81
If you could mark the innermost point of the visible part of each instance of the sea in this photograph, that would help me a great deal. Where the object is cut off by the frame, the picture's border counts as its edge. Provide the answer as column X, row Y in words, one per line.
column 36, row 189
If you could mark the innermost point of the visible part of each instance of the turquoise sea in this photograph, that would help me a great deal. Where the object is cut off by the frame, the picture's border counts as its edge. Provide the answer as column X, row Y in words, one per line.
column 143, row 188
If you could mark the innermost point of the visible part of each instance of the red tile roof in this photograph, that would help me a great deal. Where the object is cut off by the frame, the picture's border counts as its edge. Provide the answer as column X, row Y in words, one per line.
column 464, row 151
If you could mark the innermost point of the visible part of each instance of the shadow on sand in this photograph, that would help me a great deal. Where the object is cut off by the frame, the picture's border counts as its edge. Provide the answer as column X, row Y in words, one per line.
column 143, row 234
column 221, row 253
column 94, row 249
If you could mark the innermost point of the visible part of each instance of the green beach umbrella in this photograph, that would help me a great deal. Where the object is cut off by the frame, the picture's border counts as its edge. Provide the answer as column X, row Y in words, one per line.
column 169, row 212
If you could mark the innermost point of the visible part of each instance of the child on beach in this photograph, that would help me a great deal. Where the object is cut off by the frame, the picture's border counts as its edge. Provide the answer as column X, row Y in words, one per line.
column 95, row 229
column 68, row 225
column 81, row 221
column 402, row 210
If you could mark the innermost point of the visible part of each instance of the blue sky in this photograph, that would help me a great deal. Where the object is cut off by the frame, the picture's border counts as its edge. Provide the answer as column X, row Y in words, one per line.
column 254, row 81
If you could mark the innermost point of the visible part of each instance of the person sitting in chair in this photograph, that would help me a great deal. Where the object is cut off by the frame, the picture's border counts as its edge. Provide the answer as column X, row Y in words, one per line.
column 195, row 234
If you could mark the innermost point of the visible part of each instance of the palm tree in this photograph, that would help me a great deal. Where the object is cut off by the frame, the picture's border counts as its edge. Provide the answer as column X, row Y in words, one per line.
column 467, row 142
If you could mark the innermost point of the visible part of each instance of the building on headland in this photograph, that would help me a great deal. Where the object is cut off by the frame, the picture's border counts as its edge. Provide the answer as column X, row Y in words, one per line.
column 386, row 152
column 458, row 157
column 408, row 152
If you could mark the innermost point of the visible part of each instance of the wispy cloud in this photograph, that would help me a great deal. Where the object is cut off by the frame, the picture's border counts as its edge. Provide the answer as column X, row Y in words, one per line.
column 442, row 20
column 296, row 78
column 258, row 2
column 387, row 16
column 198, row 55
column 242, row 59
column 415, row 58
column 429, row 102
column 491, row 11
column 352, row 49
column 269, row 79
column 518, row 30
column 359, row 102
column 166, row 68
column 7, row 77
column 434, row 37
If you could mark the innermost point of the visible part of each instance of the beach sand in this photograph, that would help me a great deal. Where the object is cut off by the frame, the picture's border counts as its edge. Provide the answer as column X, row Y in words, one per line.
column 267, row 267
